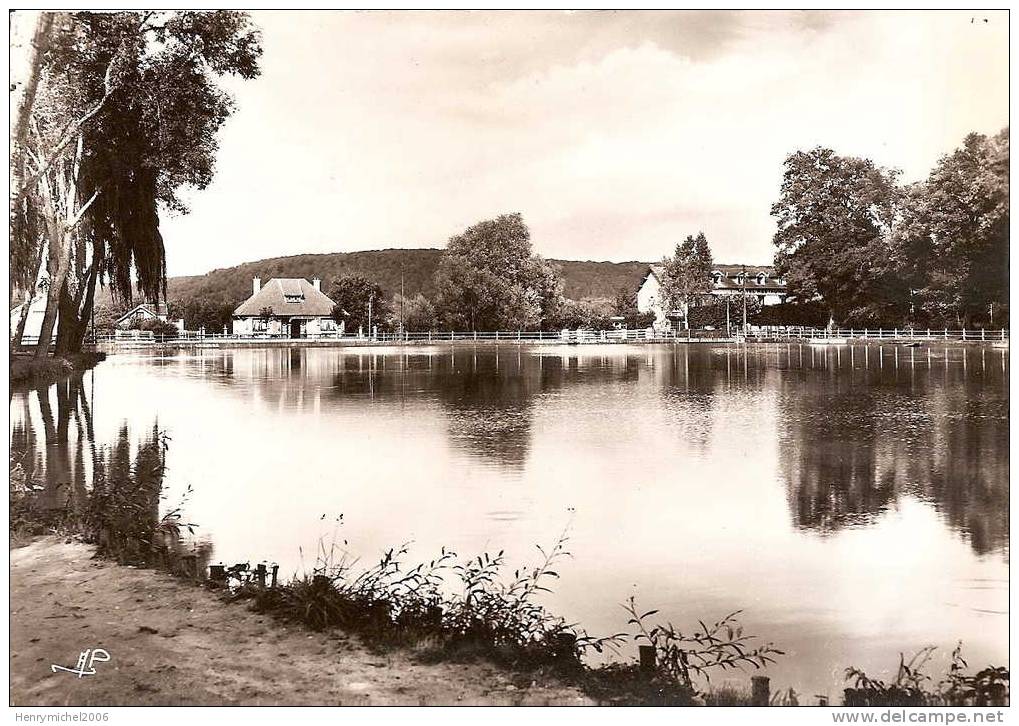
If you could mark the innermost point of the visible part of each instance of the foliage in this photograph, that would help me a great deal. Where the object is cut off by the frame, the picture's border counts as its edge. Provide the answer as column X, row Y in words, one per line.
column 478, row 614
column 415, row 314
column 156, row 326
column 953, row 233
column 489, row 279
column 352, row 295
column 713, row 312
column 809, row 313
column 834, row 215
column 624, row 305
column 198, row 313
column 125, row 116
column 688, row 657
column 928, row 254
column 913, row 686
column 686, row 276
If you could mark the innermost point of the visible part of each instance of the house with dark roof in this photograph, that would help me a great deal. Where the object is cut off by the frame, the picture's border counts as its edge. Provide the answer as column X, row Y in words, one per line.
column 285, row 307
column 760, row 281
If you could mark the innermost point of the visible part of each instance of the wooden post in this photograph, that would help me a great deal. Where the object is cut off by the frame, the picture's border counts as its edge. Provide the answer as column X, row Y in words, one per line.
column 982, row 334
column 647, row 659
column 761, row 690
column 190, row 566
column 822, row 700
column 217, row 573
column 260, row 574
column 275, row 571
column 964, row 334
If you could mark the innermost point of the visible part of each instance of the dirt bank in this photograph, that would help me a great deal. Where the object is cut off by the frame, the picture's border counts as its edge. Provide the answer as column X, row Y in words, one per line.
column 171, row 643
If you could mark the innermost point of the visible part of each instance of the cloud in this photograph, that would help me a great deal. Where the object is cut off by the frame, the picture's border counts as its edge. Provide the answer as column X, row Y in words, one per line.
column 615, row 134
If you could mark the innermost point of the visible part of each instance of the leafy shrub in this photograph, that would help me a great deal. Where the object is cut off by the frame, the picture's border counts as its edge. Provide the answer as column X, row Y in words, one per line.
column 687, row 657
column 914, row 687
column 473, row 612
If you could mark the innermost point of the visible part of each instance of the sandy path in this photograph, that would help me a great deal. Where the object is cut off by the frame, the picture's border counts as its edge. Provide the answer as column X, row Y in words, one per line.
column 206, row 652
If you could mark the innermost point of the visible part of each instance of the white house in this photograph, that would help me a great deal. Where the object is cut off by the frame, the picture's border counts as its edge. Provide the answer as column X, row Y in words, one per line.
column 759, row 281
column 286, row 307
column 33, row 325
column 147, row 311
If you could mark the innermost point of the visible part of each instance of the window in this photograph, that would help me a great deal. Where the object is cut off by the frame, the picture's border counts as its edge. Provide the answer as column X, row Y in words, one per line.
column 716, row 276
column 761, row 278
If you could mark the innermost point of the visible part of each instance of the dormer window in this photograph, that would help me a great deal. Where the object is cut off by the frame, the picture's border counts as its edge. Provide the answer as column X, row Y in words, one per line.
column 761, row 278
column 716, row 277
column 293, row 298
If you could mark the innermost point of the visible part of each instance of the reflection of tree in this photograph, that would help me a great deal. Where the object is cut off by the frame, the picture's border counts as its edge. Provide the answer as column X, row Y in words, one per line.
column 969, row 472
column 848, row 452
column 110, row 494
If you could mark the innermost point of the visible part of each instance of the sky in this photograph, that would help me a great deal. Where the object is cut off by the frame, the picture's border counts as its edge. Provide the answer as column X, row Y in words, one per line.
column 615, row 134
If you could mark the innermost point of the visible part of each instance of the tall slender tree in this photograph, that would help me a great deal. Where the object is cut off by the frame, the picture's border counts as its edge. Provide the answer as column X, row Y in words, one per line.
column 687, row 274
column 126, row 114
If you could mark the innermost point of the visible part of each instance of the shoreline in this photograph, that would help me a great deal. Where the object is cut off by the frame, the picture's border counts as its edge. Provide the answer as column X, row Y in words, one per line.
column 226, row 344
column 28, row 372
column 172, row 642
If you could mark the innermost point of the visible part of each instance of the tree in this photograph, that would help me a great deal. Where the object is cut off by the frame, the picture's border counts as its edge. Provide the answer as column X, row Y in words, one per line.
column 125, row 113
column 953, row 233
column 415, row 314
column 352, row 295
column 834, row 215
column 198, row 313
column 624, row 305
column 687, row 274
column 489, row 279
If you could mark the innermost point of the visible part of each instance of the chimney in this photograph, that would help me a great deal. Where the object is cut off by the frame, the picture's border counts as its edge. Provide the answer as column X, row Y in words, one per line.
column 317, row 284
column 256, row 285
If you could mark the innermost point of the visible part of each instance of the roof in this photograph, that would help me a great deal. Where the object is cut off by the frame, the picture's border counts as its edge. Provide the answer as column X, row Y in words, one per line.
column 286, row 296
column 154, row 309
column 731, row 272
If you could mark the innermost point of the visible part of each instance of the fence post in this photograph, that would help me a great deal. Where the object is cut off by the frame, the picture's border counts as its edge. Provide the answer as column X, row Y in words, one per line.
column 260, row 574
column 496, row 335
column 518, row 336
column 761, row 689
column 982, row 334
column 946, row 333
column 475, row 336
column 895, row 333
column 1002, row 333
column 647, row 659
column 964, row 334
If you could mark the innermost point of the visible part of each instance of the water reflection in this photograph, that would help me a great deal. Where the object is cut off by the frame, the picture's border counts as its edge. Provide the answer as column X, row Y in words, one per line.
column 853, row 499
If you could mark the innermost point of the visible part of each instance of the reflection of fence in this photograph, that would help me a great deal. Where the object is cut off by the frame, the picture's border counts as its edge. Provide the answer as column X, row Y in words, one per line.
column 580, row 336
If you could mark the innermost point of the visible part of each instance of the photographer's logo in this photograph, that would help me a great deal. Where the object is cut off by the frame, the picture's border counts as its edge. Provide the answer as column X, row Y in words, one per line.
column 86, row 662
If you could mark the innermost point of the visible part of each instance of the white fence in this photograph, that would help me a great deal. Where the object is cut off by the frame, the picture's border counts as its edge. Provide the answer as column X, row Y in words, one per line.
column 649, row 335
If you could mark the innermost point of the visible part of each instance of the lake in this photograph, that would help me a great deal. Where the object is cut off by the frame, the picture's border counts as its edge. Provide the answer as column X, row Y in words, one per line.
column 852, row 501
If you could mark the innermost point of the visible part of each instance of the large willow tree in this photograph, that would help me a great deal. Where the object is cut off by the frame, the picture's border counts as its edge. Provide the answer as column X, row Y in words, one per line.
column 122, row 114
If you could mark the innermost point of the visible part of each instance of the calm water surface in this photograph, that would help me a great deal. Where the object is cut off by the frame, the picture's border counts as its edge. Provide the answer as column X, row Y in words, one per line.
column 852, row 501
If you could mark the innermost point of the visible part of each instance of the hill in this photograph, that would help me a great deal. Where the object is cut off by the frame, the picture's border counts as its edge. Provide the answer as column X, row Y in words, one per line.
column 386, row 267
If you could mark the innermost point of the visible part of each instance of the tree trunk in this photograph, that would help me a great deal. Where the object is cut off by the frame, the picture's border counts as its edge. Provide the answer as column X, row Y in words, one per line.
column 25, row 100
column 75, row 311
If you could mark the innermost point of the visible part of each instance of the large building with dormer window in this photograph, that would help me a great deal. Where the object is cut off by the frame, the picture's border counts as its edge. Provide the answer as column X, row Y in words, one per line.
column 758, row 281
column 285, row 307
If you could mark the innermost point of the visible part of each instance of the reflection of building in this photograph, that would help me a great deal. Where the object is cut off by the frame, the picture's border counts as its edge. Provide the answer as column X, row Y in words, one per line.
column 288, row 307
column 727, row 280
column 146, row 312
